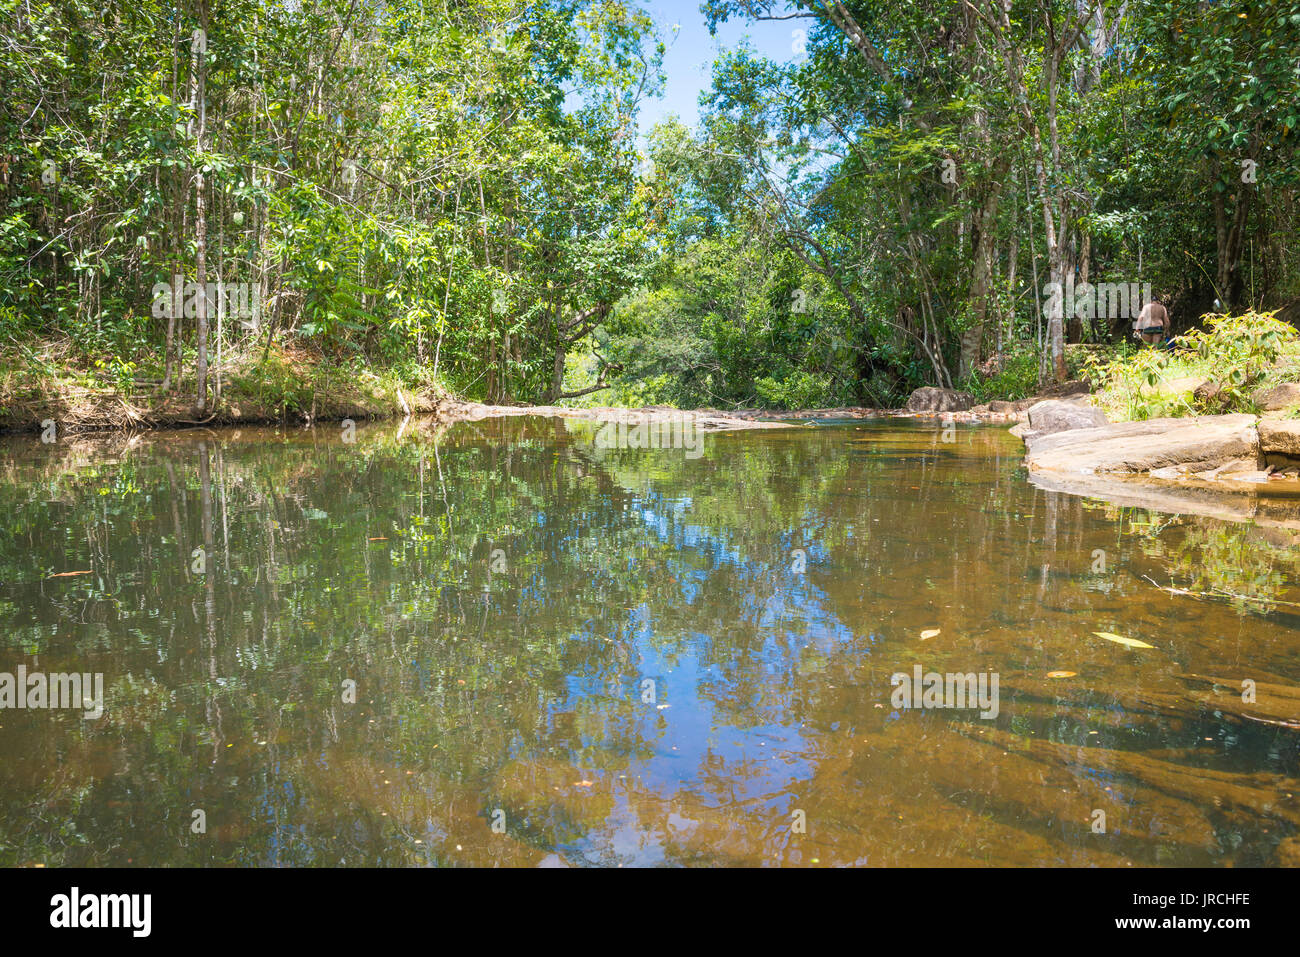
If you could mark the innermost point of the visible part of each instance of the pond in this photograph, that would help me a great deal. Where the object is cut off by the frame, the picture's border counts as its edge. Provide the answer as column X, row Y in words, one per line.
column 500, row 643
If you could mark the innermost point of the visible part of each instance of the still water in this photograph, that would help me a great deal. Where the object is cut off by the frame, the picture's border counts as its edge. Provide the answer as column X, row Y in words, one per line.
column 497, row 643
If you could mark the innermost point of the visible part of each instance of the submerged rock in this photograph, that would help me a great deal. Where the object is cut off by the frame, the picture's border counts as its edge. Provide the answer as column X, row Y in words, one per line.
column 930, row 399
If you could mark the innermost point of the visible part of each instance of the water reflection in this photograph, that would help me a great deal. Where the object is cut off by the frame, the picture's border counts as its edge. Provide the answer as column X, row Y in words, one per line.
column 569, row 654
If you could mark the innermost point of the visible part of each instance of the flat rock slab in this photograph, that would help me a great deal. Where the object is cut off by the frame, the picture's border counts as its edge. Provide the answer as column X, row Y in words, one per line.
column 1279, row 397
column 1194, row 445
column 1279, row 437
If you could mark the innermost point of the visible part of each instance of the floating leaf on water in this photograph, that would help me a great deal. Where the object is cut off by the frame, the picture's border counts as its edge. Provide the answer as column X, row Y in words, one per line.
column 1062, row 674
column 1121, row 640
column 929, row 633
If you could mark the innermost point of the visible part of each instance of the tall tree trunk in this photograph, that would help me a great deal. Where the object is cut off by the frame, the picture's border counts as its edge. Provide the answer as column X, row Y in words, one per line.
column 1085, row 270
column 557, row 371
column 1053, row 200
column 1007, row 340
column 1230, row 242
column 1061, row 272
column 201, row 222
column 985, row 238
column 175, row 190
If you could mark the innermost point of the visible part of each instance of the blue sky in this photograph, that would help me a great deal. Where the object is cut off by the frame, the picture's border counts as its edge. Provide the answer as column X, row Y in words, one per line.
column 688, row 64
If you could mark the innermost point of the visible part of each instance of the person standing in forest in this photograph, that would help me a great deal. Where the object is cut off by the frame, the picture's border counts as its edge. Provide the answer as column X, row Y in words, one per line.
column 1152, row 323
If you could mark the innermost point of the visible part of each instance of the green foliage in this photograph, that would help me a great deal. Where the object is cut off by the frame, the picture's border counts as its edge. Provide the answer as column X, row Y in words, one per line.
column 800, row 390
column 888, row 154
column 118, row 371
column 1240, row 350
column 1232, row 355
column 450, row 184
column 1016, row 379
column 737, row 321
column 1128, row 385
column 461, row 187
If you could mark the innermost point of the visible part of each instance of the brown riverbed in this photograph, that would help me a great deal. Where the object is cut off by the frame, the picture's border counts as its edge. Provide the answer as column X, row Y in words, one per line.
column 768, row 589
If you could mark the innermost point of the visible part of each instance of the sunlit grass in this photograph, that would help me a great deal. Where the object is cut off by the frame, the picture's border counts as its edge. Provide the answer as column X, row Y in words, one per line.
column 1239, row 355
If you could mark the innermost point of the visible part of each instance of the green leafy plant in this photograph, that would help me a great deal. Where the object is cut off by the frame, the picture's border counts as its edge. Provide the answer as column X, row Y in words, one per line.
column 1240, row 351
column 1233, row 355
column 1016, row 379
column 119, row 371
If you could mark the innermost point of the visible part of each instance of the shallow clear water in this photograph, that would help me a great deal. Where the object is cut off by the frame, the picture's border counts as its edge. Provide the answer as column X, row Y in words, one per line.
column 670, row 660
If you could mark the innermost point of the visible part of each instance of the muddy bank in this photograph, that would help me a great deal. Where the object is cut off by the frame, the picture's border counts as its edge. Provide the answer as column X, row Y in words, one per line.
column 978, row 415
column 283, row 386
column 705, row 420
column 176, row 414
column 286, row 385
column 716, row 420
column 90, row 411
column 109, row 412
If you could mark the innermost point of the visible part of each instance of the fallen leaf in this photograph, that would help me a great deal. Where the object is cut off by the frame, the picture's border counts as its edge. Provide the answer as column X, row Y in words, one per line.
column 1121, row 640
column 929, row 633
column 69, row 574
column 1062, row 674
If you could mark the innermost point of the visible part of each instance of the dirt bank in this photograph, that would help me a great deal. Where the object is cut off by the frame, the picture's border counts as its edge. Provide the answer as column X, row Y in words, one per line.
column 42, row 384
column 85, row 410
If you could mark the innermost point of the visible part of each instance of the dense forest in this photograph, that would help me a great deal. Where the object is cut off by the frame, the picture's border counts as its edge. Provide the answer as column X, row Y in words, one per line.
column 458, row 195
